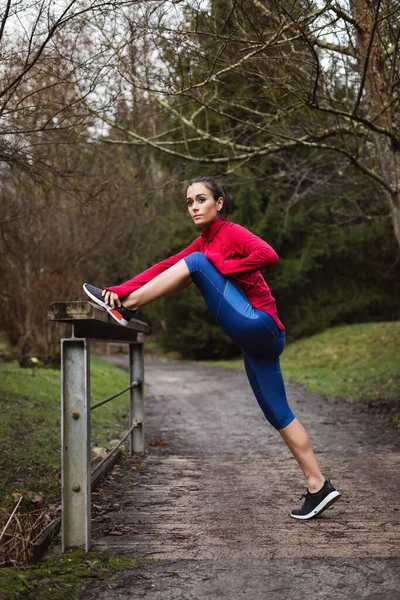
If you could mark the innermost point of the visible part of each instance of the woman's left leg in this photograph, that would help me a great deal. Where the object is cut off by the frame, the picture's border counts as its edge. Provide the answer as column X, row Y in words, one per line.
column 298, row 442
column 266, row 380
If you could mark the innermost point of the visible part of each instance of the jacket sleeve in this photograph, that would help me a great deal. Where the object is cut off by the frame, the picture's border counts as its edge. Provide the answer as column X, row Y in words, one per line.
column 255, row 253
column 139, row 280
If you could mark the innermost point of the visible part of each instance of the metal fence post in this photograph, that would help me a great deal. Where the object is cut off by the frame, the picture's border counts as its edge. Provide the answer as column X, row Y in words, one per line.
column 136, row 406
column 90, row 323
column 75, row 440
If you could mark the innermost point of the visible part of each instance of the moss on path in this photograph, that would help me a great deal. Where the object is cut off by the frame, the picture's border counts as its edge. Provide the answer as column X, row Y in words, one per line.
column 58, row 577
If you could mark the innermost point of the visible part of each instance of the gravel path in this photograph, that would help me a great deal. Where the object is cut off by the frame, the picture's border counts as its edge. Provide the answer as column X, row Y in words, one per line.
column 209, row 501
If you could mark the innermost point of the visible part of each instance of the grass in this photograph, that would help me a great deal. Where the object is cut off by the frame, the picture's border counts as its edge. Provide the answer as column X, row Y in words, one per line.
column 354, row 361
column 30, row 426
column 153, row 348
column 357, row 362
column 30, row 465
column 58, row 577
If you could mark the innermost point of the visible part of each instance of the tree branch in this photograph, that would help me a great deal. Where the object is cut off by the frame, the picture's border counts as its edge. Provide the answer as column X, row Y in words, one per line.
column 4, row 19
column 334, row 47
column 343, row 15
column 367, row 57
column 283, row 27
column 358, row 119
column 62, row 20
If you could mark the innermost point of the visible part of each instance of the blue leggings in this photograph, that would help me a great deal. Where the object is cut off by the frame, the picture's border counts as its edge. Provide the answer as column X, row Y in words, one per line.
column 253, row 330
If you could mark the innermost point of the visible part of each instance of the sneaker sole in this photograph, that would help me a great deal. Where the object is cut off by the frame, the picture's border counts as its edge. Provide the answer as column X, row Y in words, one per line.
column 111, row 311
column 326, row 503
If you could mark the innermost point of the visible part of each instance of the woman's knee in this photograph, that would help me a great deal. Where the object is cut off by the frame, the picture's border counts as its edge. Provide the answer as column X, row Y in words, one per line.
column 265, row 378
column 283, row 421
column 196, row 261
column 278, row 417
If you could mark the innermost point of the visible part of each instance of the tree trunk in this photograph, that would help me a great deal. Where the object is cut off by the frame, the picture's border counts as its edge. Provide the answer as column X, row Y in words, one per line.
column 372, row 67
column 395, row 211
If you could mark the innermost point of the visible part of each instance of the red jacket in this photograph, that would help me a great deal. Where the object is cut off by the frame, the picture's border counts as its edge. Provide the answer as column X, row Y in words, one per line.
column 234, row 251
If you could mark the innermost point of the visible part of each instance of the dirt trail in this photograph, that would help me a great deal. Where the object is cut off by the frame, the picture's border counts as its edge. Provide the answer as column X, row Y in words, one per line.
column 210, row 500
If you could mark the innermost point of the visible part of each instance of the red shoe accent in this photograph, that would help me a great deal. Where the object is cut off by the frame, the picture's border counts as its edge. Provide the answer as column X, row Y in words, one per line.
column 116, row 313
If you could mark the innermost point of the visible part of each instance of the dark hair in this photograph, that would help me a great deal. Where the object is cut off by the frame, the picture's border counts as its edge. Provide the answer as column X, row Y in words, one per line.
column 217, row 190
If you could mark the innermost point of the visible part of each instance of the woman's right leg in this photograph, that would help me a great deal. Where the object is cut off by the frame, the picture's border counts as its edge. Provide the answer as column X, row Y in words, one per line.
column 240, row 321
column 171, row 281
column 214, row 287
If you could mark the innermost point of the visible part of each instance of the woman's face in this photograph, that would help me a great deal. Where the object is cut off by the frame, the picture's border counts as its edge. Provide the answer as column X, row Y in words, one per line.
column 202, row 207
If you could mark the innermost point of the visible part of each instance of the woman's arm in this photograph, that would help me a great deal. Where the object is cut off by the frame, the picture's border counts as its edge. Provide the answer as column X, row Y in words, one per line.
column 256, row 254
column 136, row 282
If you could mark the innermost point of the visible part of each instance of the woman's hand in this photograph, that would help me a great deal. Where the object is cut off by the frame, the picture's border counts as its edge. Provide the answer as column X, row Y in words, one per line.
column 111, row 298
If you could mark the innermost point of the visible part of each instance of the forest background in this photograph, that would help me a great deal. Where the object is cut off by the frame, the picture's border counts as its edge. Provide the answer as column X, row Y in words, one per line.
column 108, row 108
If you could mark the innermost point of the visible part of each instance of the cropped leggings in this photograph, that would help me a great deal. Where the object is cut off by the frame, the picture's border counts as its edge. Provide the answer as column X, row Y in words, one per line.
column 253, row 330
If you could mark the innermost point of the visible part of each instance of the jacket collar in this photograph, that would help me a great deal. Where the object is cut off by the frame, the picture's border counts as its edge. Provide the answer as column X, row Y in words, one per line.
column 211, row 231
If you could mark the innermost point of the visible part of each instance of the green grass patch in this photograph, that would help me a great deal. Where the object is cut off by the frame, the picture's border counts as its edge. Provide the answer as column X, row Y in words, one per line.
column 394, row 421
column 154, row 349
column 351, row 361
column 30, row 425
column 59, row 576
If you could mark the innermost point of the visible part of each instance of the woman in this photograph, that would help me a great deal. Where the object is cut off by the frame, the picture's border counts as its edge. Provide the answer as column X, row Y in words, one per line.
column 224, row 263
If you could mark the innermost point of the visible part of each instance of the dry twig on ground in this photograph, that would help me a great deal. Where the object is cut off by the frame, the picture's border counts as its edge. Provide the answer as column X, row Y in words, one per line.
column 20, row 532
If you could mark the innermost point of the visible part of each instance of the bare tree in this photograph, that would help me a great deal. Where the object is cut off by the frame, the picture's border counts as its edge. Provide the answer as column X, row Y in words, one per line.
column 250, row 79
column 51, row 243
column 70, row 208
column 46, row 45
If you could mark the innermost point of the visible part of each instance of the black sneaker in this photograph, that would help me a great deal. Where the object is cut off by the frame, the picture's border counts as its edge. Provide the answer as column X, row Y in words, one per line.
column 121, row 314
column 316, row 503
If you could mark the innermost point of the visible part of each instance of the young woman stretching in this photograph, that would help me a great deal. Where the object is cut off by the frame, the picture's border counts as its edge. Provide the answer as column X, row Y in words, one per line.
column 224, row 263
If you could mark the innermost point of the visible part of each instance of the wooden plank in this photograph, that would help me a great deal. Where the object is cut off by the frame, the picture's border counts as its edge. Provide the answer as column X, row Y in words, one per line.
column 86, row 318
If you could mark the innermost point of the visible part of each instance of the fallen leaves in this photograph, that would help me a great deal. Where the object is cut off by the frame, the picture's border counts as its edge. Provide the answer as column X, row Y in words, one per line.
column 119, row 530
column 160, row 441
